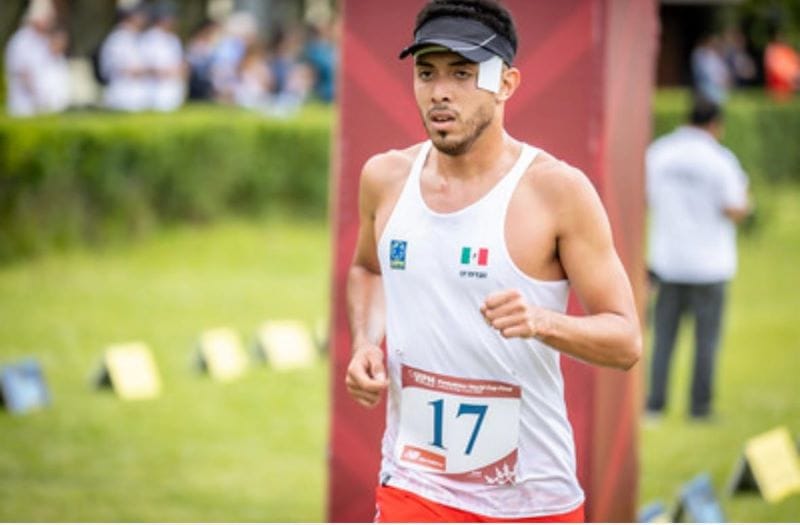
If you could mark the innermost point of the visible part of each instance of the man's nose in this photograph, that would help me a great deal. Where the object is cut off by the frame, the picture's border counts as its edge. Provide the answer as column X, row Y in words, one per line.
column 441, row 91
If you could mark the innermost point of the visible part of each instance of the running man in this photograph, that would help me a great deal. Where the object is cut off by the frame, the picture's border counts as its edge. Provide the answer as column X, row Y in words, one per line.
column 468, row 245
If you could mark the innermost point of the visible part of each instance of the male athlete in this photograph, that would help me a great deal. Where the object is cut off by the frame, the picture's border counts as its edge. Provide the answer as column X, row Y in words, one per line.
column 467, row 247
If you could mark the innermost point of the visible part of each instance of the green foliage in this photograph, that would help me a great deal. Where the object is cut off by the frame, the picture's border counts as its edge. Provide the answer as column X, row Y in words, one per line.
column 252, row 450
column 757, row 377
column 78, row 178
column 756, row 384
column 761, row 17
column 96, row 178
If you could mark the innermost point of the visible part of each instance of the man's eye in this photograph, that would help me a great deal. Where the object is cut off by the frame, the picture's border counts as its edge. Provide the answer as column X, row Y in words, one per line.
column 424, row 75
column 463, row 74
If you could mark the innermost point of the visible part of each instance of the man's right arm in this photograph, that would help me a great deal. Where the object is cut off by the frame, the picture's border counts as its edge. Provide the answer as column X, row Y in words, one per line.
column 366, row 374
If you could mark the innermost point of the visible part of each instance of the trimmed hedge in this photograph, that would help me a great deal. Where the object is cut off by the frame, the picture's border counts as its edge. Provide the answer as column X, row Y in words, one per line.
column 764, row 134
column 96, row 177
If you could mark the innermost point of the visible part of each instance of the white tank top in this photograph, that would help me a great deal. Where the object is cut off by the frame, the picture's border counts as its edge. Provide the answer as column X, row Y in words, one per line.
column 474, row 420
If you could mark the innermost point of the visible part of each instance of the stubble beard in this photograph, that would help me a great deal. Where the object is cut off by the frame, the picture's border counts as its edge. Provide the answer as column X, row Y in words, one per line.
column 475, row 126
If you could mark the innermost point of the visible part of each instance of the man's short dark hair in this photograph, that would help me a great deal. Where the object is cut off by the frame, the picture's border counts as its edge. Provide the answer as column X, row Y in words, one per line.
column 488, row 12
column 704, row 112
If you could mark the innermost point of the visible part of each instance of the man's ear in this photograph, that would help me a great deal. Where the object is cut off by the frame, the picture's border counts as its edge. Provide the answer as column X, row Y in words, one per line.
column 508, row 83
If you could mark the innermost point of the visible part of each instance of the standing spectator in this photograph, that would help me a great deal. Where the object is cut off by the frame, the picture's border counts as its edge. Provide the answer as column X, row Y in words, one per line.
column 162, row 54
column 26, row 55
column 285, row 48
column 241, row 32
column 320, row 53
column 697, row 193
column 200, row 56
column 54, row 77
column 122, row 63
column 293, row 78
column 254, row 83
column 781, row 67
column 296, row 90
column 740, row 63
column 710, row 75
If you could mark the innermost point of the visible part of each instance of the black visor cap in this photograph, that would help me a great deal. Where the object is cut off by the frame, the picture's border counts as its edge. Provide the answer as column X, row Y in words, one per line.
column 469, row 38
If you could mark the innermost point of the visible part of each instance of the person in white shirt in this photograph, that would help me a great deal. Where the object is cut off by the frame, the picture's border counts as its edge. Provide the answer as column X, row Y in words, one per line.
column 54, row 77
column 26, row 56
column 162, row 56
column 697, row 192
column 254, row 80
column 122, row 64
column 240, row 33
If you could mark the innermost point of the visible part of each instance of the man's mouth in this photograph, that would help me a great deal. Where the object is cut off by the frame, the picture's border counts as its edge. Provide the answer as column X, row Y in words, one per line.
column 441, row 119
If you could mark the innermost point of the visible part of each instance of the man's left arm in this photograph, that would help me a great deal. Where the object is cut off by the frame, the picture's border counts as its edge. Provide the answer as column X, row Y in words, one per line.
column 609, row 334
column 736, row 200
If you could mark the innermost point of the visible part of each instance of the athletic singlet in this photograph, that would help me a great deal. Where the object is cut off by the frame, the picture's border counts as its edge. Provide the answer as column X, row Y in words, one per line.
column 474, row 420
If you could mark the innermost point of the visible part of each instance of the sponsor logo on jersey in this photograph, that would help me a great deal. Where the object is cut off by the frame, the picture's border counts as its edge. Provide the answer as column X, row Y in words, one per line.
column 397, row 254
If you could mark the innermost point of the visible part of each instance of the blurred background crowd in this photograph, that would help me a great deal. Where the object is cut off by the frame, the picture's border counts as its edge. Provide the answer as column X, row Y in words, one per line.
column 274, row 55
column 717, row 47
column 241, row 53
column 721, row 62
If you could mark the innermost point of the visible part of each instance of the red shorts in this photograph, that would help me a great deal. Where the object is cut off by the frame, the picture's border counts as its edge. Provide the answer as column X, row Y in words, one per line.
column 397, row 505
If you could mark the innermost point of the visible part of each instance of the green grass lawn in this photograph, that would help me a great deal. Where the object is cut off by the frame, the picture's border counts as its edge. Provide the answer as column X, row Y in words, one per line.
column 758, row 378
column 255, row 449
column 252, row 450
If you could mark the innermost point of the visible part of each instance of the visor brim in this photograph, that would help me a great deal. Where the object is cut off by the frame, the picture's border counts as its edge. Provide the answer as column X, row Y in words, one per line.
column 467, row 50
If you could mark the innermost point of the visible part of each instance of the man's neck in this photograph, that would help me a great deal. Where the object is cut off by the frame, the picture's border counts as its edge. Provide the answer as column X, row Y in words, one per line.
column 483, row 158
column 711, row 129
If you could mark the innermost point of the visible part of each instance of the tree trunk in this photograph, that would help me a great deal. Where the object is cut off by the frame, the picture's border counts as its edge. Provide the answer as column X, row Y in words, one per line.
column 190, row 14
column 88, row 22
column 10, row 18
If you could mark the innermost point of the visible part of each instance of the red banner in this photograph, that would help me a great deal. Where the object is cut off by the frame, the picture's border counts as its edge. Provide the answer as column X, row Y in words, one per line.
column 587, row 75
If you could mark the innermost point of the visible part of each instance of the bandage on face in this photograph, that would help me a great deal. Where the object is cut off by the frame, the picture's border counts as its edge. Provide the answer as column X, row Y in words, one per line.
column 490, row 72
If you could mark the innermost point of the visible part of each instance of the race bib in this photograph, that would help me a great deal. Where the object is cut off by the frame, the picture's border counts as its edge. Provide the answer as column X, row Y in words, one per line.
column 465, row 429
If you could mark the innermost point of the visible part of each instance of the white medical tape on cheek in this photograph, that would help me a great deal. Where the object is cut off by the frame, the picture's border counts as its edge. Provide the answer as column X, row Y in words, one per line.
column 490, row 73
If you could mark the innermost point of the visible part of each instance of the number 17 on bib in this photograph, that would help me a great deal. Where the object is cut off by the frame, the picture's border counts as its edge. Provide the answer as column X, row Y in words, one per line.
column 466, row 429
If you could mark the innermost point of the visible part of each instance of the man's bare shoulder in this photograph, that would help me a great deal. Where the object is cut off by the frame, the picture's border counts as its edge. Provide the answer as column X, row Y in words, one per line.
column 390, row 167
column 568, row 196
column 556, row 181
